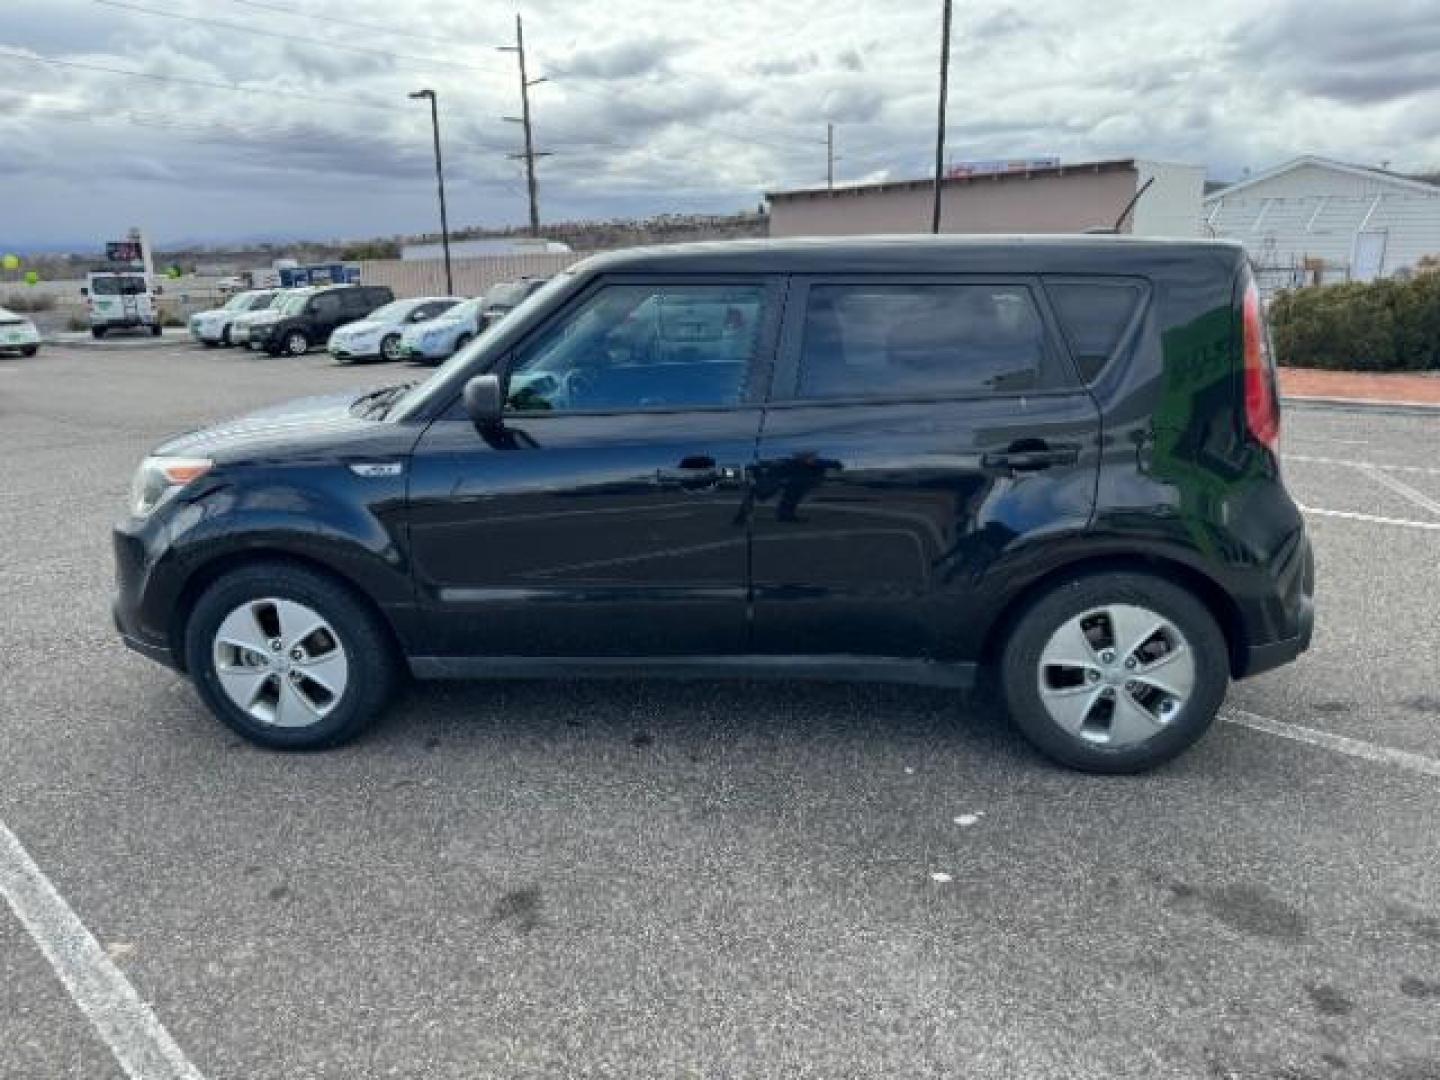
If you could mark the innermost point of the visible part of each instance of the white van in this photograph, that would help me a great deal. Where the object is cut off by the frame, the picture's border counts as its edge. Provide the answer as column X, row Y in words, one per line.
column 120, row 299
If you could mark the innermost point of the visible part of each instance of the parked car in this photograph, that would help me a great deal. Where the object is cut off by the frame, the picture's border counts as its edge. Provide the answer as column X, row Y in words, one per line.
column 308, row 317
column 432, row 341
column 250, row 327
column 18, row 334
column 212, row 328
column 505, row 296
column 380, row 332
column 909, row 459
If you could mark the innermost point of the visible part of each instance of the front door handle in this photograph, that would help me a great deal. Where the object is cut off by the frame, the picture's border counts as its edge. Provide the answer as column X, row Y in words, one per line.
column 1031, row 460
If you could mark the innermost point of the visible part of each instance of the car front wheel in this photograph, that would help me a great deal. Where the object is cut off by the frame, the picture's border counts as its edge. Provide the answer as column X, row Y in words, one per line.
column 288, row 657
column 390, row 347
column 1115, row 672
column 296, row 343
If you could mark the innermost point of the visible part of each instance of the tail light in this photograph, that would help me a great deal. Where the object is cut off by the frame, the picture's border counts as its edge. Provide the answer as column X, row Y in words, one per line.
column 1262, row 400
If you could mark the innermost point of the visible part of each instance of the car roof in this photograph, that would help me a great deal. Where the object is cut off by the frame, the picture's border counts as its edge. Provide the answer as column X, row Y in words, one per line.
column 1049, row 253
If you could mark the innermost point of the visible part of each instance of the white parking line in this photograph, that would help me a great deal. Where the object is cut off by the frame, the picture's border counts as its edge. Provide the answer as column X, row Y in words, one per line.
column 1404, row 490
column 1340, row 744
column 1373, row 519
column 1311, row 459
column 139, row 1042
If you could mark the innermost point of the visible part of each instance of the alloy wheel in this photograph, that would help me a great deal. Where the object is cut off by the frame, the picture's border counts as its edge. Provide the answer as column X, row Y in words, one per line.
column 1116, row 675
column 280, row 662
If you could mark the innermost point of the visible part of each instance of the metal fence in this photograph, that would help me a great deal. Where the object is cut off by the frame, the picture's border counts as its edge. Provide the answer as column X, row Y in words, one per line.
column 426, row 277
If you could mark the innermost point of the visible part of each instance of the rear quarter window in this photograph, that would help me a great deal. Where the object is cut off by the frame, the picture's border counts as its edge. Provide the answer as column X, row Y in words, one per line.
column 1094, row 317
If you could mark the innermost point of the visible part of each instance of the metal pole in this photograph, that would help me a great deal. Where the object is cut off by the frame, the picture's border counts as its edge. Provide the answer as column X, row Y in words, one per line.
column 525, row 120
column 440, row 183
column 940, row 126
column 829, row 157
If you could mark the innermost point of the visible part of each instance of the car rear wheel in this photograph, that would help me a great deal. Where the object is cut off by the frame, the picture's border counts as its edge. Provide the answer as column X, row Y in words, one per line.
column 296, row 343
column 98, row 332
column 155, row 330
column 209, row 344
column 1115, row 672
column 288, row 657
column 225, row 338
column 29, row 350
column 390, row 347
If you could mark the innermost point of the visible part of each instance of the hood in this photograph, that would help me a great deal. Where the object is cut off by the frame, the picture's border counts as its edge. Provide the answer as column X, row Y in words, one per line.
column 253, row 318
column 306, row 429
column 364, row 326
column 440, row 325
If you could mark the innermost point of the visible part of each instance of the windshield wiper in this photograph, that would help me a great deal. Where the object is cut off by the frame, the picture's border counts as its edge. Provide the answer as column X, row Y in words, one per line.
column 377, row 403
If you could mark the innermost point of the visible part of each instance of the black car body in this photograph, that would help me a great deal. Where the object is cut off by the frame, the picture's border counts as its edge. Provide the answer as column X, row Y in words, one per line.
column 324, row 310
column 773, row 458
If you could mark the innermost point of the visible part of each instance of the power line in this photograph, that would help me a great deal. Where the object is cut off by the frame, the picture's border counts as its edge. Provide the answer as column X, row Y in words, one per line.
column 268, row 92
column 390, row 31
column 321, row 42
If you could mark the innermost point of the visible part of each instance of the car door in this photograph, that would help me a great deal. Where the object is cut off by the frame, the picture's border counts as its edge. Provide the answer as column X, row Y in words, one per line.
column 922, row 433
column 324, row 313
column 606, row 516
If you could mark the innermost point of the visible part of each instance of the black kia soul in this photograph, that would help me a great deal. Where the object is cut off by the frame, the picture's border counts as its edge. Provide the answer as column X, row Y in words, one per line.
column 909, row 459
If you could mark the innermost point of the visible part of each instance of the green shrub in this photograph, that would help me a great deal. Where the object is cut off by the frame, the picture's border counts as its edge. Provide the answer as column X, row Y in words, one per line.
column 28, row 302
column 1375, row 326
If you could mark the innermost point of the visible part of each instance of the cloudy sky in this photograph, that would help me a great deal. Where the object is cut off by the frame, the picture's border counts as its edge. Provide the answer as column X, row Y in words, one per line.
column 287, row 118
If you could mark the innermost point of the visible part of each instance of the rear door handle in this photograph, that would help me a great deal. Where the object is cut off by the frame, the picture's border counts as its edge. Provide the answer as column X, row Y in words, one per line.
column 1031, row 460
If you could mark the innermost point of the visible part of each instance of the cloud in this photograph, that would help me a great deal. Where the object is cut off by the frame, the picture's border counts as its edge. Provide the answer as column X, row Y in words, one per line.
column 656, row 105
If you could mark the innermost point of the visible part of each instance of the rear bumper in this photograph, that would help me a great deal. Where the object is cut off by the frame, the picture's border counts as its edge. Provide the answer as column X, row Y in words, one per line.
column 1299, row 605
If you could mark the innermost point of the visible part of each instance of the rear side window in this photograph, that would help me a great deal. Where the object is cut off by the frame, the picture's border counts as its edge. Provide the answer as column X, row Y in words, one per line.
column 918, row 340
column 1094, row 317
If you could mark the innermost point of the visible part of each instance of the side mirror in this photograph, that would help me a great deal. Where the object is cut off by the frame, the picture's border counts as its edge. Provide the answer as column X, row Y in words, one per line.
column 484, row 400
column 84, row 291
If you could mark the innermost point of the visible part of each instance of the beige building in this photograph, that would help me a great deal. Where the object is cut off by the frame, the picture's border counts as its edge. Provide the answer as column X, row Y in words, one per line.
column 1043, row 199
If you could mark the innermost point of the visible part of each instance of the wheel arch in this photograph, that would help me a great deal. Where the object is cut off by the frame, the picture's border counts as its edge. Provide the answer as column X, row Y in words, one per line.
column 206, row 573
column 1222, row 607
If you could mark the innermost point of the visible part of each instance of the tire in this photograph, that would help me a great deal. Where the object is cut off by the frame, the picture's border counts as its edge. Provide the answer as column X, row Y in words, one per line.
column 390, row 347
column 366, row 671
column 97, row 332
column 1047, row 663
column 462, row 341
column 225, row 338
column 296, row 343
column 210, row 344
column 29, row 350
column 155, row 330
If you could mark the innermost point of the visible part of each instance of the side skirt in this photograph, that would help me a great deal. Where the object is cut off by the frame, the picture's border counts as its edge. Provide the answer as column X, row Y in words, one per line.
column 820, row 668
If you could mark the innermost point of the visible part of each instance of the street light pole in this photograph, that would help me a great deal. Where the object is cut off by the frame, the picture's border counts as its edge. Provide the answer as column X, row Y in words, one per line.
column 440, row 183
column 940, row 124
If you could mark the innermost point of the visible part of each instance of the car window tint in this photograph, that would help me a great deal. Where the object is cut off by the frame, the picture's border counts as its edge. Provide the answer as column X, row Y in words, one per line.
column 899, row 340
column 1093, row 317
column 644, row 346
column 325, row 305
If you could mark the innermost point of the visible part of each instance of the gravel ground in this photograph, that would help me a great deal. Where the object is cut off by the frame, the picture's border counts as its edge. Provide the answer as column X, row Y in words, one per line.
column 713, row 880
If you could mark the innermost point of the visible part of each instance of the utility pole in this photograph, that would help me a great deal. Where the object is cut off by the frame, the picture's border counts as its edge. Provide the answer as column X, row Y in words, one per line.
column 829, row 157
column 940, row 127
column 440, row 183
column 530, row 154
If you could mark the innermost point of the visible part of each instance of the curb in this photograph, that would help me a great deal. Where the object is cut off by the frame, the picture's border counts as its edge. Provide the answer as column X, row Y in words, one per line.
column 1416, row 408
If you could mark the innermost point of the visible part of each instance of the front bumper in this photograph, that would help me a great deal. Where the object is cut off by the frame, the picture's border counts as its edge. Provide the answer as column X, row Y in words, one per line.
column 212, row 334
column 418, row 350
column 353, row 350
column 137, row 590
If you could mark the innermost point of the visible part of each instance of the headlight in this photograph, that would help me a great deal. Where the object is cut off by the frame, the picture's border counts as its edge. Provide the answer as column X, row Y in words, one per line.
column 158, row 478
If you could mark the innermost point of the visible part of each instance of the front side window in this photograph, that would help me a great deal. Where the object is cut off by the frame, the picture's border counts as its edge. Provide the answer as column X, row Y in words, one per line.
column 644, row 346
column 920, row 340
column 325, row 306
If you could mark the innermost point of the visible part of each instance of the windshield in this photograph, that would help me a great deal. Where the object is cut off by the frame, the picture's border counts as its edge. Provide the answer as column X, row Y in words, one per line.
column 291, row 303
column 394, row 310
column 117, row 286
column 439, row 382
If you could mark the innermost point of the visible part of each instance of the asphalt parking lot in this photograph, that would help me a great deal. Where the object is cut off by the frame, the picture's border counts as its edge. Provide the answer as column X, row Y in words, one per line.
column 713, row 880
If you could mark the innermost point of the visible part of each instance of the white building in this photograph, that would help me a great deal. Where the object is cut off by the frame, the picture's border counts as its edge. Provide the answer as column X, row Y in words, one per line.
column 1318, row 221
